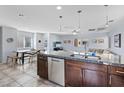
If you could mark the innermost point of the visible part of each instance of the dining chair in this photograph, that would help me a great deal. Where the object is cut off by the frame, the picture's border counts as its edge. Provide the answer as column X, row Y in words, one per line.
column 33, row 54
column 14, row 58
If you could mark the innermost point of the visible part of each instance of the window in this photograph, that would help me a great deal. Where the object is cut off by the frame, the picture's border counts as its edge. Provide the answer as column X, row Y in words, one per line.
column 27, row 42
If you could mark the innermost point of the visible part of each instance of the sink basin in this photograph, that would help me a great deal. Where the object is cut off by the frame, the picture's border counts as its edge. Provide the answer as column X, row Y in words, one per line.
column 87, row 57
column 77, row 56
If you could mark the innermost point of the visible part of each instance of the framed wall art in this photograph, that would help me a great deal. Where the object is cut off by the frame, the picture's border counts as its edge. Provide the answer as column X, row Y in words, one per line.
column 94, row 41
column 64, row 41
column 10, row 40
column 69, row 41
column 77, row 42
column 117, row 40
column 100, row 41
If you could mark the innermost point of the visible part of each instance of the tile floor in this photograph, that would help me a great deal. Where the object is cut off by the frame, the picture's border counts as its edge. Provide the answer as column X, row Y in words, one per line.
column 22, row 76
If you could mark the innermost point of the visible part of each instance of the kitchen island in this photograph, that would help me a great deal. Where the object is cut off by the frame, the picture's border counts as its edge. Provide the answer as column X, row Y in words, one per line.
column 80, row 71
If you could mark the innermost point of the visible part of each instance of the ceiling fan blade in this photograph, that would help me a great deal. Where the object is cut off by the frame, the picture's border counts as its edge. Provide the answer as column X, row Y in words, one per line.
column 93, row 29
column 101, row 28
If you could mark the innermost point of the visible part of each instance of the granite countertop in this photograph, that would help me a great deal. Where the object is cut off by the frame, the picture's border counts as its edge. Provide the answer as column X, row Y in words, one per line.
column 117, row 61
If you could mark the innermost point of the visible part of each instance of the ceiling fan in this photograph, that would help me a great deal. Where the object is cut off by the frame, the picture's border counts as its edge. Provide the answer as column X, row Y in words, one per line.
column 106, row 25
column 108, row 21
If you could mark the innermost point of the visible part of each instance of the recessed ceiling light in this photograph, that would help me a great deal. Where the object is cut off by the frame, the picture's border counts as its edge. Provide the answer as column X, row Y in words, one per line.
column 58, row 7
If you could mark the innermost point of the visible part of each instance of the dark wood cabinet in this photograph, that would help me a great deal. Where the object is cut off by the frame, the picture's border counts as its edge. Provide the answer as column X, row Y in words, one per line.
column 117, row 81
column 116, row 76
column 95, row 75
column 95, row 78
column 73, row 75
column 42, row 66
column 85, row 74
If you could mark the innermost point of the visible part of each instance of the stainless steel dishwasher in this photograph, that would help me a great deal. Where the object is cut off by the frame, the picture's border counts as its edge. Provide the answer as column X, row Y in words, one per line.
column 56, row 70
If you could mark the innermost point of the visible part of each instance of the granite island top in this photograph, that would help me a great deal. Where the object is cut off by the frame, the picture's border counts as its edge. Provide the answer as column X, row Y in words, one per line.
column 67, row 55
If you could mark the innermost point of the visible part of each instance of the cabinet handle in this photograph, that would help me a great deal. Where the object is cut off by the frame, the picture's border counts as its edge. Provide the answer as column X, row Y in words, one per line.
column 55, row 60
column 120, row 72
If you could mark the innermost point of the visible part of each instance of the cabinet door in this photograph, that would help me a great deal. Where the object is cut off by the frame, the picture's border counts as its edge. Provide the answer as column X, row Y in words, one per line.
column 117, row 81
column 42, row 69
column 45, row 75
column 73, row 76
column 38, row 66
column 94, row 78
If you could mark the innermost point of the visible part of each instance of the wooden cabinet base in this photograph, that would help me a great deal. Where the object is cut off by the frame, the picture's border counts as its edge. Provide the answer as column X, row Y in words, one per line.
column 42, row 66
column 82, row 74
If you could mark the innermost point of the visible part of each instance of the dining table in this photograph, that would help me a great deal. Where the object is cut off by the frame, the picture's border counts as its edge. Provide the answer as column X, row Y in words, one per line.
column 26, row 51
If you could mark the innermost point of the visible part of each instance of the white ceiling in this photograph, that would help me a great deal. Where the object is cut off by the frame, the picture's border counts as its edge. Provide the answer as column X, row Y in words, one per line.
column 45, row 18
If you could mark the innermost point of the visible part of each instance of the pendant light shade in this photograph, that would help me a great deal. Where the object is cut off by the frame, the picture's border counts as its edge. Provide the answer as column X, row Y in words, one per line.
column 74, row 32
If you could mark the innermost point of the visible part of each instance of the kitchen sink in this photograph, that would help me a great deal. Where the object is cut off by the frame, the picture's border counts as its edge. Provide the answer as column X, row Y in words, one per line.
column 77, row 56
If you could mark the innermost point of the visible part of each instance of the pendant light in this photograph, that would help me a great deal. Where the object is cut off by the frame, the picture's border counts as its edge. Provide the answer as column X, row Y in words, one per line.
column 74, row 32
column 79, row 12
column 107, row 18
column 60, row 26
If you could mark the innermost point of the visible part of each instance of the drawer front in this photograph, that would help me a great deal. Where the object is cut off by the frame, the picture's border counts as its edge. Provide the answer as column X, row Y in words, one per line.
column 116, row 70
column 98, row 67
column 74, row 63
